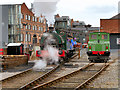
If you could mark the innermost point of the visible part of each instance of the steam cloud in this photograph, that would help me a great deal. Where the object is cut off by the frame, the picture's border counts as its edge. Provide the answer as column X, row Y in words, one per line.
column 46, row 8
column 39, row 65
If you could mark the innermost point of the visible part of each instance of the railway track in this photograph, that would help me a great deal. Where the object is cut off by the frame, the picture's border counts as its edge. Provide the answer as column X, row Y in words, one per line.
column 77, row 79
column 44, row 77
column 20, row 79
column 27, row 76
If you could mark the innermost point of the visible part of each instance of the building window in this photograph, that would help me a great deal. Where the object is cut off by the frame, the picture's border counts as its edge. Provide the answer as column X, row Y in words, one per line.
column 39, row 28
column 35, row 27
column 26, row 37
column 18, row 37
column 29, row 37
column 118, row 41
column 33, row 18
column 22, row 37
column 22, row 16
column 26, row 17
column 26, row 26
column 21, row 25
column 39, row 19
column 29, row 17
column 42, row 20
column 29, row 27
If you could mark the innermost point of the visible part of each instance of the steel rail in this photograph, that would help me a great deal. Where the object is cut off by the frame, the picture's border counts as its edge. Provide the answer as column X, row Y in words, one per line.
column 61, row 78
column 34, row 82
column 16, row 75
column 47, row 84
column 94, row 76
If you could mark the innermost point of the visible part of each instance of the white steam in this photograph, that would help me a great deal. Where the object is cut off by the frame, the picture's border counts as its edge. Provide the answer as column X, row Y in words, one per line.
column 52, row 56
column 39, row 64
column 46, row 8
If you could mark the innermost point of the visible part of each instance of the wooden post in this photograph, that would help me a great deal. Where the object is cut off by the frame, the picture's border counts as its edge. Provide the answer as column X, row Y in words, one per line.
column 79, row 53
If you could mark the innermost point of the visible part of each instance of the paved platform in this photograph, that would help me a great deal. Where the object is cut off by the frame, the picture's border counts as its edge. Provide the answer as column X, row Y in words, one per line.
column 13, row 71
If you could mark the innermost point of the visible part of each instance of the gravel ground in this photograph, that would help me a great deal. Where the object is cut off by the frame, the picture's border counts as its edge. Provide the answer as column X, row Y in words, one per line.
column 109, row 77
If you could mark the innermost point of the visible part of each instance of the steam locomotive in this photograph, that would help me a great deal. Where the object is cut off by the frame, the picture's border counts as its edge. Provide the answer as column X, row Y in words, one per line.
column 57, row 40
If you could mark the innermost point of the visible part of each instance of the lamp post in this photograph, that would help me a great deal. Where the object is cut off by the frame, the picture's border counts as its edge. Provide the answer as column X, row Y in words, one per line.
column 86, row 32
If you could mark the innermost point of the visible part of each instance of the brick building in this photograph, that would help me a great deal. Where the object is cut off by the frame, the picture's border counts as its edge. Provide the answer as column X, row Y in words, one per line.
column 20, row 25
column 112, row 26
column 32, row 27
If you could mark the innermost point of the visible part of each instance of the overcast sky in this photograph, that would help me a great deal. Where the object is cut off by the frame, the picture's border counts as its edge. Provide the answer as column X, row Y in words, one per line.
column 89, row 11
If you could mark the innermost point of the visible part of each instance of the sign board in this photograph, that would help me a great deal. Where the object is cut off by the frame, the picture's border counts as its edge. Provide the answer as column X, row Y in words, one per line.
column 118, row 41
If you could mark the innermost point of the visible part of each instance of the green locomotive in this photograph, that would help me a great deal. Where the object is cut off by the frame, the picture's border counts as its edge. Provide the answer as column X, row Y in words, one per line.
column 98, row 47
column 57, row 40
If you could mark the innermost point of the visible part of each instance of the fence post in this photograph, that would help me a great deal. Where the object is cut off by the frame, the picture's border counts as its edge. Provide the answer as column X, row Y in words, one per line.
column 79, row 53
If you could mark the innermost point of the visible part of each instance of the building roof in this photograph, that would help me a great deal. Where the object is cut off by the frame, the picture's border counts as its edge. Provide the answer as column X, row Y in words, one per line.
column 63, row 18
column 10, row 4
column 14, row 44
column 83, row 28
column 116, row 16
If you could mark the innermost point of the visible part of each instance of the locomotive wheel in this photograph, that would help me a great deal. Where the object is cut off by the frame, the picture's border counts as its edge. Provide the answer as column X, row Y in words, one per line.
column 91, row 61
column 61, row 60
column 103, row 61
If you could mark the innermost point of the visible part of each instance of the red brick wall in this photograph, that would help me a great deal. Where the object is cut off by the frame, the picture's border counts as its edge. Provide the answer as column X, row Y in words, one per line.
column 110, row 25
column 25, row 11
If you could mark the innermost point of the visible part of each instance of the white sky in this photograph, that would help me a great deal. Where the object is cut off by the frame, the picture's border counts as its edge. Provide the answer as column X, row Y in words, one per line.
column 89, row 11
